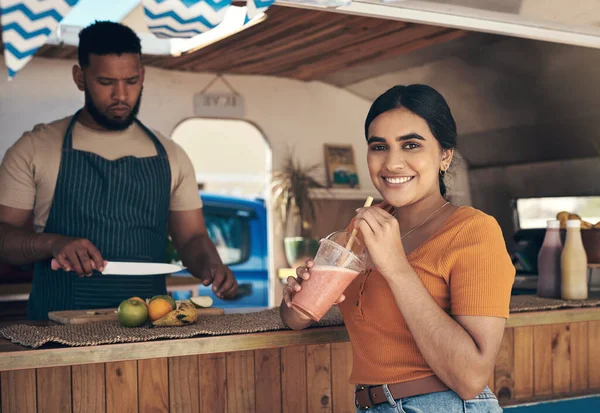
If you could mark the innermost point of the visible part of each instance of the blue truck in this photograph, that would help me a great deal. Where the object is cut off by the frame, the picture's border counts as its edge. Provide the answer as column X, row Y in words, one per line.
column 238, row 227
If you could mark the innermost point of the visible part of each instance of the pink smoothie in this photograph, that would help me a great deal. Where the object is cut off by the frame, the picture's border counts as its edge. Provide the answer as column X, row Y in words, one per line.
column 325, row 285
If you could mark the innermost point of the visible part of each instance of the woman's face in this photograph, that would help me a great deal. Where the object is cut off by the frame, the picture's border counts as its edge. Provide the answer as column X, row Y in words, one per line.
column 404, row 157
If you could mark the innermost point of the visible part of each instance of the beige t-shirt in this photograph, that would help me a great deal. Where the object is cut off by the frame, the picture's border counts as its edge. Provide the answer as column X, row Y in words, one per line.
column 29, row 170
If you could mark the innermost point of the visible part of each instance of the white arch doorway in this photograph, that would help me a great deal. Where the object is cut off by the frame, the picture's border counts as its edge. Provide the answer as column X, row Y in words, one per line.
column 230, row 156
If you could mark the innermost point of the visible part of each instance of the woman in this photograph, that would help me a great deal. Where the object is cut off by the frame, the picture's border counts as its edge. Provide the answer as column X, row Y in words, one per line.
column 426, row 323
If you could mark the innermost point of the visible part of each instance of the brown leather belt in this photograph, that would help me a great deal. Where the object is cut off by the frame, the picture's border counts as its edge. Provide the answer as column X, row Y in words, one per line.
column 366, row 397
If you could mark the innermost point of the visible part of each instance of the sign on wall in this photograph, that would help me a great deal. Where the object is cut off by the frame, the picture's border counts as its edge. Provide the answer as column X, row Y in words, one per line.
column 219, row 105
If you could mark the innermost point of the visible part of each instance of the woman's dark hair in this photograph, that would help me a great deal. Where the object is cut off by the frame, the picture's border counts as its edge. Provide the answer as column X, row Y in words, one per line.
column 425, row 102
column 106, row 38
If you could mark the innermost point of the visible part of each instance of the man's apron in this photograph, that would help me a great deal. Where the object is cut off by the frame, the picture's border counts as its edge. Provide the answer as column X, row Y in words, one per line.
column 122, row 207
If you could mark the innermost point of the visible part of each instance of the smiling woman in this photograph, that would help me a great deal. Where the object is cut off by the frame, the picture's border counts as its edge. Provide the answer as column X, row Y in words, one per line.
column 427, row 319
column 433, row 134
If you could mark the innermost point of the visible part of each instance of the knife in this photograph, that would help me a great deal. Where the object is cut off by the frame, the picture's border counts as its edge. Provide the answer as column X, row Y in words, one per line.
column 134, row 268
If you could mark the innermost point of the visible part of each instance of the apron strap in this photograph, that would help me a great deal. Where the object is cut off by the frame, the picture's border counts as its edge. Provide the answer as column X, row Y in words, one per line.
column 68, row 140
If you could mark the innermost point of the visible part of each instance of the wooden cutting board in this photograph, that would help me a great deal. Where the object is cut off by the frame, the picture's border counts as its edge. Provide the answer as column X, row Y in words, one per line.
column 105, row 314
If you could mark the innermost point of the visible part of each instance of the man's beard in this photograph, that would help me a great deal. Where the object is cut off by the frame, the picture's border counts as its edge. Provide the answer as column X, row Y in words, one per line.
column 106, row 122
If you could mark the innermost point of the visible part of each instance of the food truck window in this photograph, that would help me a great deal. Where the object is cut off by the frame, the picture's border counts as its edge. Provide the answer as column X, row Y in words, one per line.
column 230, row 234
column 533, row 213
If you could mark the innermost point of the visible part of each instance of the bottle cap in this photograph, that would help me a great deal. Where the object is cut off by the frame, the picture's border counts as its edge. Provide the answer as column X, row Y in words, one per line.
column 553, row 223
column 573, row 223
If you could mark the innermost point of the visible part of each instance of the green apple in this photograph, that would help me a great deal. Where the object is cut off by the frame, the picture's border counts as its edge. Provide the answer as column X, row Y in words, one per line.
column 132, row 313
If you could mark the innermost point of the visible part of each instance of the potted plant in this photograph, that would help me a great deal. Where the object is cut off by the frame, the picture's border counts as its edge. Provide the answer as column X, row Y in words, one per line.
column 295, row 210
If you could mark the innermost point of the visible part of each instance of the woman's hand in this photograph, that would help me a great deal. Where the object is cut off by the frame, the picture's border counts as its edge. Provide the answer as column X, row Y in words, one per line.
column 381, row 233
column 294, row 284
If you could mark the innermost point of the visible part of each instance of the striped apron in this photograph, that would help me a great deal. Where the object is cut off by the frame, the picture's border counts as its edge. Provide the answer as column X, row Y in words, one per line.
column 122, row 207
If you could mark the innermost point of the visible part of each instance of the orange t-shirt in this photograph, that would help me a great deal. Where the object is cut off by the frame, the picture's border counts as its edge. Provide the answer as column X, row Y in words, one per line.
column 467, row 270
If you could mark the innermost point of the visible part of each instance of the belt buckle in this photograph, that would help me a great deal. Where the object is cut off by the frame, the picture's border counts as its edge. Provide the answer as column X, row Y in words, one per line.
column 361, row 388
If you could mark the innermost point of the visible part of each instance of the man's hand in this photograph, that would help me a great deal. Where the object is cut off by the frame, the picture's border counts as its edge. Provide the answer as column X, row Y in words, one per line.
column 198, row 252
column 20, row 245
column 224, row 283
column 77, row 254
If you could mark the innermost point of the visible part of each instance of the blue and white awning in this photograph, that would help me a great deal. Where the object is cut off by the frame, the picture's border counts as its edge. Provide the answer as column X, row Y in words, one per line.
column 183, row 18
column 26, row 26
column 189, row 18
column 255, row 7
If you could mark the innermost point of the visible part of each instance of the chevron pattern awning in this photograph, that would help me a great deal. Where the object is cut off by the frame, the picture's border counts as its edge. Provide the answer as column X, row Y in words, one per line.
column 183, row 18
column 255, row 7
column 27, row 24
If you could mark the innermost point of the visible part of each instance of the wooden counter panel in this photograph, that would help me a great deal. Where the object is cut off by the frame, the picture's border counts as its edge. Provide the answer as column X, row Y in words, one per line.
column 505, row 367
column 579, row 357
column 293, row 375
column 534, row 362
column 54, row 389
column 341, row 366
column 267, row 380
column 523, row 358
column 318, row 378
column 561, row 358
column 18, row 391
column 184, row 384
column 153, row 385
column 542, row 360
column 545, row 361
column 240, row 382
column 213, row 383
column 89, row 388
column 121, row 387
column 594, row 354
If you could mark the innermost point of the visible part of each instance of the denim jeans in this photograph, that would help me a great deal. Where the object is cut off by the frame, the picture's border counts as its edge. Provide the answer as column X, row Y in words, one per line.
column 440, row 402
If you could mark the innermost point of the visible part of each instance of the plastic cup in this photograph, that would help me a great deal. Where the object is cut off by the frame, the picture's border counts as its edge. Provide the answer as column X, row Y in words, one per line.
column 335, row 267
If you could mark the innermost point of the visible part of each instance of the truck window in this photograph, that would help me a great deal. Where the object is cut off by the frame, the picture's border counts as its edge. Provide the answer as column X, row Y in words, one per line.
column 534, row 212
column 231, row 236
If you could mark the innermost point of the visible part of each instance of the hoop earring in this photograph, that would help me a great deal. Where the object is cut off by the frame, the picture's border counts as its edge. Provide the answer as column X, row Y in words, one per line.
column 442, row 173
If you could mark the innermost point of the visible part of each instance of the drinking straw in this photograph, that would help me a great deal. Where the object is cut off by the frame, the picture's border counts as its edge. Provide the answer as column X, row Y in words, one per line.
column 350, row 242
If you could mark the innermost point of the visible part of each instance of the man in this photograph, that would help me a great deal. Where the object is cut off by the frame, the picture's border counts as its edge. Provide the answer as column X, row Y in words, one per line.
column 100, row 186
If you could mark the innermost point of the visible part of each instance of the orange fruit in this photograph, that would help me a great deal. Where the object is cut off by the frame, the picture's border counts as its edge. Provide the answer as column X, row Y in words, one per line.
column 158, row 308
column 168, row 298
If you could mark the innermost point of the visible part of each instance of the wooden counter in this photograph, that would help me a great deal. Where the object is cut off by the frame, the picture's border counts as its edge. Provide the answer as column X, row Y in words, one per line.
column 544, row 355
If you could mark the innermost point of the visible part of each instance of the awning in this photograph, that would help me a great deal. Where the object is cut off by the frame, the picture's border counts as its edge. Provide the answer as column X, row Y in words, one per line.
column 28, row 24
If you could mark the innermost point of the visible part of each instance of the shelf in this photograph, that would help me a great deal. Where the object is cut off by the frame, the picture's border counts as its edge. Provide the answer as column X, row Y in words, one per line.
column 343, row 194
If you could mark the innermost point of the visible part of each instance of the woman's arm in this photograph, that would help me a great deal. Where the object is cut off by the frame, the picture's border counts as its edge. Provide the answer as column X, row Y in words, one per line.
column 461, row 351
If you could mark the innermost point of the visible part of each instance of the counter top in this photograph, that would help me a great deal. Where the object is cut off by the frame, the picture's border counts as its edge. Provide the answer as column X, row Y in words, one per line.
column 16, row 357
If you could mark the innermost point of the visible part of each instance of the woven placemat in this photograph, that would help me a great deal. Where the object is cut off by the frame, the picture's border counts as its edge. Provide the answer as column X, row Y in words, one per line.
column 524, row 303
column 108, row 332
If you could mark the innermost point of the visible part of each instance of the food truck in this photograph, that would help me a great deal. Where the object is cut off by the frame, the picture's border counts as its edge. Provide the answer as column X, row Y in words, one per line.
column 521, row 79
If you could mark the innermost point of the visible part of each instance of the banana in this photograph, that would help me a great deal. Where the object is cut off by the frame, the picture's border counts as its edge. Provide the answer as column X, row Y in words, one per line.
column 184, row 315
